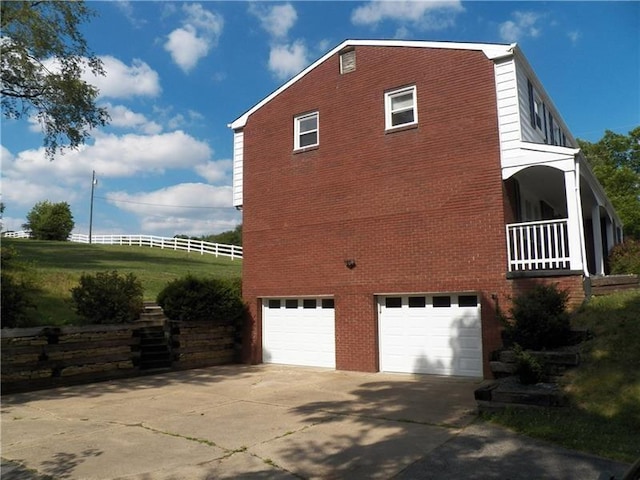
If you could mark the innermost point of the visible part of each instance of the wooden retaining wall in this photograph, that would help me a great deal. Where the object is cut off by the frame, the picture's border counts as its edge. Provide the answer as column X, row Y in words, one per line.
column 37, row 358
column 612, row 283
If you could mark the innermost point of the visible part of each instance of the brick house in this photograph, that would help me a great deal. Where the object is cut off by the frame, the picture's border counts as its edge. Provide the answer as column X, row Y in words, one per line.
column 395, row 194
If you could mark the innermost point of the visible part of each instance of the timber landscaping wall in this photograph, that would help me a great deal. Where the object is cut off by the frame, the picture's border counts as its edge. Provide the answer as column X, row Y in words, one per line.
column 37, row 358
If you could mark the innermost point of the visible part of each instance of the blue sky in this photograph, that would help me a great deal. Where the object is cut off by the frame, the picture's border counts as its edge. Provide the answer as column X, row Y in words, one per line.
column 179, row 72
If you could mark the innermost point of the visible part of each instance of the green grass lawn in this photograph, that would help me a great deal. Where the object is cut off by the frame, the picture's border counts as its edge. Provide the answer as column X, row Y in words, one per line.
column 56, row 267
column 604, row 416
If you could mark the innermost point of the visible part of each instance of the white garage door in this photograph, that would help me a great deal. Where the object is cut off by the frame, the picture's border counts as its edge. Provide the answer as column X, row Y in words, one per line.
column 436, row 334
column 299, row 331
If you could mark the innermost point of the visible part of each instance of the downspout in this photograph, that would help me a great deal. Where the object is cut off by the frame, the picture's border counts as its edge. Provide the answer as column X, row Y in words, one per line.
column 585, row 267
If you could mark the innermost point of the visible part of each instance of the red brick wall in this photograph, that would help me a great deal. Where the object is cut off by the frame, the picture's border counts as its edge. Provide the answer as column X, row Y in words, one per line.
column 420, row 210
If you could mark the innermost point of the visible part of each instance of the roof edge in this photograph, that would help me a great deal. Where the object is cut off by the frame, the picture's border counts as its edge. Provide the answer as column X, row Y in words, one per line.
column 493, row 51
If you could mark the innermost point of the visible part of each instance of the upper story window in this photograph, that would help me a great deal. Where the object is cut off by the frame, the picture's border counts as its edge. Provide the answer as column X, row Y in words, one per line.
column 538, row 111
column 400, row 108
column 306, row 131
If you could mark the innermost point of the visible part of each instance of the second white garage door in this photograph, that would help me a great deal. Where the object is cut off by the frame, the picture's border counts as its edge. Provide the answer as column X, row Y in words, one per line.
column 299, row 331
column 436, row 334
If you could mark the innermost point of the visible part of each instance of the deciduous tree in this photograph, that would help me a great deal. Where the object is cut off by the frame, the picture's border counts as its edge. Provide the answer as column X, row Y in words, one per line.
column 50, row 221
column 615, row 160
column 43, row 58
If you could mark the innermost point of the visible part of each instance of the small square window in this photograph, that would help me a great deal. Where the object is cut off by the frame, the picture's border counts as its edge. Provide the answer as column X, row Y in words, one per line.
column 291, row 303
column 417, row 302
column 328, row 303
column 274, row 303
column 309, row 303
column 393, row 302
column 401, row 108
column 467, row 301
column 306, row 131
column 442, row 302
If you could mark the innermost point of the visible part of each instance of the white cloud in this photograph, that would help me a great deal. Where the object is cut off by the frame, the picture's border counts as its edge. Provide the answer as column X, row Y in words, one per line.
column 123, row 81
column 199, row 33
column 217, row 171
column 186, row 47
column 574, row 36
column 287, row 60
column 26, row 192
column 175, row 199
column 119, row 80
column 276, row 20
column 122, row 117
column 187, row 208
column 127, row 10
column 110, row 156
column 523, row 25
column 426, row 15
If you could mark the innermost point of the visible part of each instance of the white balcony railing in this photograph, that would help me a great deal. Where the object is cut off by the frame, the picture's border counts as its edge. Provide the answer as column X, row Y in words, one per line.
column 538, row 246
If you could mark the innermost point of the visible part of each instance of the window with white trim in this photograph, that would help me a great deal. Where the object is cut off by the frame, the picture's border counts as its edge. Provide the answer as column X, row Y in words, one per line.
column 400, row 108
column 306, row 131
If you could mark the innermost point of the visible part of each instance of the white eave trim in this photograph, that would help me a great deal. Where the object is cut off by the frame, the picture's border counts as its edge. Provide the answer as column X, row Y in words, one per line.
column 543, row 147
column 493, row 51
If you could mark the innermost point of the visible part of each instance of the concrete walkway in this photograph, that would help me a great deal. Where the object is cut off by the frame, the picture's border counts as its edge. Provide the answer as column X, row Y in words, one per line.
column 272, row 422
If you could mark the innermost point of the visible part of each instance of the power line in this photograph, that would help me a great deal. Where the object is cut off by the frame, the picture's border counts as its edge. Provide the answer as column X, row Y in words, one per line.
column 160, row 204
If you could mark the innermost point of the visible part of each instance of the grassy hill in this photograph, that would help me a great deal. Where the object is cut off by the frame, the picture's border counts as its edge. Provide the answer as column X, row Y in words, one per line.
column 55, row 267
column 604, row 391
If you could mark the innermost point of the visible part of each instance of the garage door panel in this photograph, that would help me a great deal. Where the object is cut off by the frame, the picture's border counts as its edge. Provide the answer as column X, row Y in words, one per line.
column 298, row 336
column 424, row 338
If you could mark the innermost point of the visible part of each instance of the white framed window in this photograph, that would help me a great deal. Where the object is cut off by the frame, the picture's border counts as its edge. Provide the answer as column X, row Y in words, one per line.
column 400, row 108
column 538, row 109
column 306, row 130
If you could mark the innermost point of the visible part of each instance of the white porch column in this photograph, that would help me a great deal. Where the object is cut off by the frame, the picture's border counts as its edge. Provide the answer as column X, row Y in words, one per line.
column 610, row 233
column 597, row 239
column 574, row 219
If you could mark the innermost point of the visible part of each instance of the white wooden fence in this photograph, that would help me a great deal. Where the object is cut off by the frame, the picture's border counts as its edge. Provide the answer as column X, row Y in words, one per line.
column 186, row 244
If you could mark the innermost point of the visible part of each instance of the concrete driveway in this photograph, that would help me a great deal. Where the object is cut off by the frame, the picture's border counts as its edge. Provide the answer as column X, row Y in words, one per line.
column 273, row 422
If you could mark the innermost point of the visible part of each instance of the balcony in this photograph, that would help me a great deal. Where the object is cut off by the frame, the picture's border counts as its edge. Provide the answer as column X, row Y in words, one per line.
column 538, row 246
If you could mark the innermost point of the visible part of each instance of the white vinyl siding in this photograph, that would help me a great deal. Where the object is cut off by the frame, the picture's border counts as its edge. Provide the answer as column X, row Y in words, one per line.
column 542, row 133
column 508, row 108
column 306, row 131
column 401, row 108
column 238, row 156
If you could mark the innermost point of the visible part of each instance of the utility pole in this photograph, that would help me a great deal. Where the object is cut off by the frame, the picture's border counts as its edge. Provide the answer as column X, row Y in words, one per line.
column 93, row 185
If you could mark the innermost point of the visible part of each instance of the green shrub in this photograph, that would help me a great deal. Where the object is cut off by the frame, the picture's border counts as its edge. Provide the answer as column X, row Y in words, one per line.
column 539, row 319
column 202, row 299
column 625, row 257
column 528, row 368
column 16, row 301
column 108, row 297
column 17, row 288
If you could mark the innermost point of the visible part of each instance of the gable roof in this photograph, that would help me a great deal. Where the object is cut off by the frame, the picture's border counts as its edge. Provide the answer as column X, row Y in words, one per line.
column 493, row 51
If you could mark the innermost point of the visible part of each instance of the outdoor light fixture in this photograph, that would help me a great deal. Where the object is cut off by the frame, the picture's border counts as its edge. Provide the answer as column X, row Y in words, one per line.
column 350, row 264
